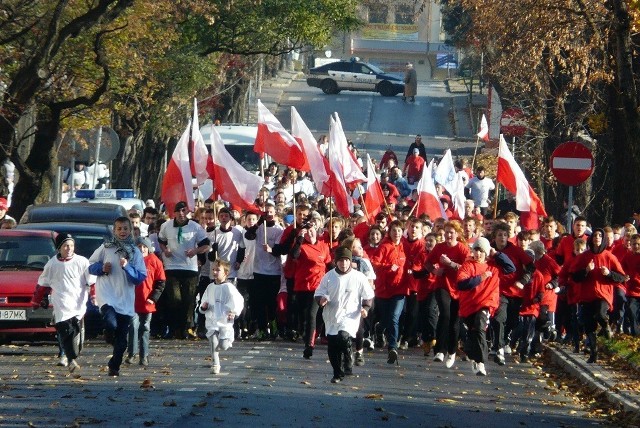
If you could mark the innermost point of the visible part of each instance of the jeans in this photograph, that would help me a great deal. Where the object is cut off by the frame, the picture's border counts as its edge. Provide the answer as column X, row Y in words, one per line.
column 139, row 332
column 390, row 310
column 69, row 337
column 117, row 325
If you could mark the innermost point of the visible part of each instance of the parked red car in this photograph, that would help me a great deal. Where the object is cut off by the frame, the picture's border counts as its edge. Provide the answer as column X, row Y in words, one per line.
column 23, row 254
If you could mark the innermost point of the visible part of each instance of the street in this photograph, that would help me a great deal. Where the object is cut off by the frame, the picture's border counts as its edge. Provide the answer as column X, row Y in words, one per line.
column 270, row 384
column 376, row 123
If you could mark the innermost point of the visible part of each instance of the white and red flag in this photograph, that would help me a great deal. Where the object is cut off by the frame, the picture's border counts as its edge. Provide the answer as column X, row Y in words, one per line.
column 483, row 134
column 452, row 181
column 200, row 161
column 428, row 200
column 231, row 182
column 373, row 197
column 337, row 186
column 350, row 168
column 275, row 141
column 512, row 178
column 176, row 184
column 317, row 162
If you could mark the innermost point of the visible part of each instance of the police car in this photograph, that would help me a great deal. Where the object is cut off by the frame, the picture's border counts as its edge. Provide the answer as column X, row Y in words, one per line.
column 354, row 75
column 124, row 197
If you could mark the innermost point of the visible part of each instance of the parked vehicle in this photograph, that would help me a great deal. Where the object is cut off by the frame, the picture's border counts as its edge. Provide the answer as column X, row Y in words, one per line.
column 125, row 197
column 23, row 255
column 354, row 75
column 73, row 212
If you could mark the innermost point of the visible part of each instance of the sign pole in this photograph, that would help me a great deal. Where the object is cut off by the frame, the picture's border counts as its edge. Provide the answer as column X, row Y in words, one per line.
column 570, row 204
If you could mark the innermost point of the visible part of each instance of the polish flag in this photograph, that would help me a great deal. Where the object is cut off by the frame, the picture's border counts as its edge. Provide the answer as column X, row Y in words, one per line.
column 373, row 197
column 304, row 136
column 200, row 161
column 176, row 184
column 336, row 186
column 350, row 168
column 275, row 141
column 231, row 182
column 452, row 181
column 428, row 200
column 483, row 134
column 512, row 178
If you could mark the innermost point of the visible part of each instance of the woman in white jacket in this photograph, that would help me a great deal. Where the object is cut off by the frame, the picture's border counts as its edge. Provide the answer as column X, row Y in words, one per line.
column 220, row 304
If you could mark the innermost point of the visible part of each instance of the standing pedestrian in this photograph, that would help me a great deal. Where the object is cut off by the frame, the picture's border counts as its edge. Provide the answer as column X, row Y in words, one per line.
column 119, row 266
column 410, row 83
column 345, row 295
column 66, row 277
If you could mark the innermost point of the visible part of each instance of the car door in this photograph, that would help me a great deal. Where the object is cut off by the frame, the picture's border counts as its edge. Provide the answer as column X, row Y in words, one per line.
column 364, row 78
column 341, row 73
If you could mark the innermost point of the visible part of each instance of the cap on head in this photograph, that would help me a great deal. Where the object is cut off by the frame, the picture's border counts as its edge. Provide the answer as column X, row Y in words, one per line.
column 483, row 245
column 343, row 253
column 141, row 240
column 62, row 238
column 416, row 151
column 3, row 204
column 149, row 203
column 180, row 205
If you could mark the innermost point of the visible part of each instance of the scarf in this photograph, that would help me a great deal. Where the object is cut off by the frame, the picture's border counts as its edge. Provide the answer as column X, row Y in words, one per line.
column 124, row 247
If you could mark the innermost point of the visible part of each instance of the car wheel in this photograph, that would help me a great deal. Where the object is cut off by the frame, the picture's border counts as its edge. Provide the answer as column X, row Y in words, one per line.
column 386, row 89
column 329, row 87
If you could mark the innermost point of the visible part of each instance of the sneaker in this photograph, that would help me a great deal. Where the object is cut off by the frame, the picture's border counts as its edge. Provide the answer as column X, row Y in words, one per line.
column 474, row 367
column 308, row 352
column 114, row 372
column 336, row 379
column 368, row 344
column 215, row 369
column 439, row 357
column 404, row 345
column 428, row 346
column 359, row 358
column 130, row 359
column 144, row 361
column 499, row 358
column 482, row 371
column 524, row 359
column 450, row 361
column 507, row 349
column 63, row 362
column 393, row 356
column 73, row 366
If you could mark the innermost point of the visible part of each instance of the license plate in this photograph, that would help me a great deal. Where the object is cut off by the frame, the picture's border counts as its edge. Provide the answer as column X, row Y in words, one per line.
column 13, row 314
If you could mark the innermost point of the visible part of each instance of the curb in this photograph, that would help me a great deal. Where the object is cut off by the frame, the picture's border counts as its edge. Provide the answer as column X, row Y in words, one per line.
column 596, row 378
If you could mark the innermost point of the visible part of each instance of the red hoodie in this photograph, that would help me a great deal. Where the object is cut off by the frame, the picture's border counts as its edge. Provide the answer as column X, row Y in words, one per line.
column 458, row 254
column 389, row 283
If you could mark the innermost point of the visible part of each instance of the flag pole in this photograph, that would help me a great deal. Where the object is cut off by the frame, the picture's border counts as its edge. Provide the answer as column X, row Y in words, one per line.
column 414, row 206
column 495, row 200
column 293, row 186
column 364, row 206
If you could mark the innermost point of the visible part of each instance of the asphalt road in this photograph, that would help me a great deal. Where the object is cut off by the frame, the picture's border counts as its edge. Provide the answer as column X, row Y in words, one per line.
column 270, row 384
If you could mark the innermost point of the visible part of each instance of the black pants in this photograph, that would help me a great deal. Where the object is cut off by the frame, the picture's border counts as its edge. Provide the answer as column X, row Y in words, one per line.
column 619, row 306
column 307, row 312
column 476, row 345
column 241, row 324
column 339, row 349
column 263, row 292
column 528, row 324
column 69, row 337
column 633, row 315
column 428, row 317
column 448, row 327
column 410, row 317
column 505, row 320
column 181, row 302
column 203, row 283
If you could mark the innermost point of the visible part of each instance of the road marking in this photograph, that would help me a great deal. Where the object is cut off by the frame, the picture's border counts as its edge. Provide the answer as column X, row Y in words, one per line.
column 341, row 100
column 186, row 389
column 248, row 357
column 238, row 362
column 437, row 104
column 211, row 378
column 317, row 99
column 295, row 98
column 253, row 352
column 258, row 347
column 442, row 137
column 390, row 101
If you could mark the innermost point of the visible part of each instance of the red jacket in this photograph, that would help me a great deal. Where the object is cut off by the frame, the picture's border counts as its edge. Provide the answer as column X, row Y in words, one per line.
column 311, row 265
column 523, row 264
column 485, row 295
column 631, row 266
column 426, row 285
column 565, row 279
column 151, row 287
column 414, row 166
column 549, row 270
column 389, row 283
column 594, row 285
column 458, row 254
column 412, row 251
column 532, row 295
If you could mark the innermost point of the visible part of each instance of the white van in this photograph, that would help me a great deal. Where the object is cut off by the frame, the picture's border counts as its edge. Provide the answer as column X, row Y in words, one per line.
column 239, row 141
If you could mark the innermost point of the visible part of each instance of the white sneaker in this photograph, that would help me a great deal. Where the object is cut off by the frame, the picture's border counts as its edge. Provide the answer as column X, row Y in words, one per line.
column 73, row 366
column 499, row 358
column 474, row 367
column 215, row 369
column 481, row 370
column 507, row 350
column 450, row 361
column 63, row 361
column 439, row 357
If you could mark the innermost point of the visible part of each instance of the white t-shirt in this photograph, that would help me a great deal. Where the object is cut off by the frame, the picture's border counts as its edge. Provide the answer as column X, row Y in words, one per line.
column 266, row 263
column 246, row 266
column 228, row 245
column 345, row 294
column 479, row 190
column 180, row 239
column 69, row 281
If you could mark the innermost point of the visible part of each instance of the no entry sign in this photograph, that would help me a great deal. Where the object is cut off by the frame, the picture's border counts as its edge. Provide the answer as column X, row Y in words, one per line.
column 571, row 163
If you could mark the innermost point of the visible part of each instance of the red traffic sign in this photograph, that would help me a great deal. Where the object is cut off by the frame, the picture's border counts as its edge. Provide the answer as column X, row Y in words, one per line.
column 513, row 123
column 571, row 163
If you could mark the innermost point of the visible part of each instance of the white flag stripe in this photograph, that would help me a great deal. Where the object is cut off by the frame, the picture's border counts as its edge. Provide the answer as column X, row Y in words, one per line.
column 572, row 163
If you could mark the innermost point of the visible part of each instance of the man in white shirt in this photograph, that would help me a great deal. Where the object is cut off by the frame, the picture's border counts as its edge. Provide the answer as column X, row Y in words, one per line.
column 480, row 187
column 345, row 295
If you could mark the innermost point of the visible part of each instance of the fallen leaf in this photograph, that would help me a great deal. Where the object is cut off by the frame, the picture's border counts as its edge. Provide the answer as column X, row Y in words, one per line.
column 304, row 382
column 147, row 384
column 170, row 403
column 374, row 396
column 200, row 404
column 447, row 400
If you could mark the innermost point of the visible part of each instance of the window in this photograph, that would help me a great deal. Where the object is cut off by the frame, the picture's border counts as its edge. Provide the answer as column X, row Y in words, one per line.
column 378, row 13
column 404, row 14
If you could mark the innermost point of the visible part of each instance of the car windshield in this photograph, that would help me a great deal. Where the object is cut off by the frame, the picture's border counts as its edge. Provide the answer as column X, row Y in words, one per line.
column 375, row 69
column 85, row 245
column 31, row 251
column 245, row 156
